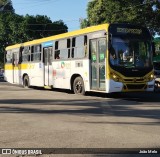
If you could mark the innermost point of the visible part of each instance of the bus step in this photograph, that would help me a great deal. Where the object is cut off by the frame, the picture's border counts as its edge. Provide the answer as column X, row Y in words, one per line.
column 47, row 87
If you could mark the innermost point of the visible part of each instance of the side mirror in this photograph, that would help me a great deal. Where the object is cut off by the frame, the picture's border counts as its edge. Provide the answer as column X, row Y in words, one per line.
column 109, row 40
column 153, row 49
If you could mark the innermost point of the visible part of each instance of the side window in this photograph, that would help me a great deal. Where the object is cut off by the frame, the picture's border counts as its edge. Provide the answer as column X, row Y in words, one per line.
column 68, row 47
column 12, row 56
column 15, row 56
column 79, row 47
column 85, row 45
column 36, row 53
column 57, row 52
column 62, row 49
column 73, row 47
column 26, row 54
column 9, row 57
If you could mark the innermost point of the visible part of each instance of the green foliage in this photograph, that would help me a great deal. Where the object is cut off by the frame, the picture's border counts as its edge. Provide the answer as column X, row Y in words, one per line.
column 17, row 29
column 6, row 6
column 143, row 12
column 84, row 23
column 39, row 26
column 157, row 49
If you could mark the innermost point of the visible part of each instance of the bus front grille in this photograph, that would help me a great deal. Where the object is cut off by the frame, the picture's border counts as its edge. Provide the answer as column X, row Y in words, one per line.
column 133, row 80
column 136, row 86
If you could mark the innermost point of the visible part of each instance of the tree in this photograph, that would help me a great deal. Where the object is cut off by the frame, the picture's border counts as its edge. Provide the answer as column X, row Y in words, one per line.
column 16, row 29
column 39, row 26
column 84, row 23
column 144, row 12
column 6, row 6
column 9, row 32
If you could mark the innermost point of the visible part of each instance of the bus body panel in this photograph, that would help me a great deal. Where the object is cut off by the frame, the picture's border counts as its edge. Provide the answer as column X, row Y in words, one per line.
column 112, row 86
column 63, row 71
column 8, row 73
column 35, row 72
column 61, row 74
column 150, row 86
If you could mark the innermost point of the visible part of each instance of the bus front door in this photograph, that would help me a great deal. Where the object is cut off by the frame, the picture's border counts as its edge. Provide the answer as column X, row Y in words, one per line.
column 98, row 50
column 48, row 55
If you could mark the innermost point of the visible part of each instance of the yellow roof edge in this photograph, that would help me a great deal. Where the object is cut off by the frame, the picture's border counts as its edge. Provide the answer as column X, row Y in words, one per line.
column 59, row 36
column 13, row 46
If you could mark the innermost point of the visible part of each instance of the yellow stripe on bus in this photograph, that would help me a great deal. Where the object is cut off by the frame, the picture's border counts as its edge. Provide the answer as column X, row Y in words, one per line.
column 19, row 66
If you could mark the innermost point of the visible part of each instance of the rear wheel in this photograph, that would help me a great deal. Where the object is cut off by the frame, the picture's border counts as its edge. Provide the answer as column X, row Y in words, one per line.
column 78, row 86
column 26, row 82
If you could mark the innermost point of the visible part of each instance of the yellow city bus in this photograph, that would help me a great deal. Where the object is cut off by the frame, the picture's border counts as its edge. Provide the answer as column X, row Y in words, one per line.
column 106, row 58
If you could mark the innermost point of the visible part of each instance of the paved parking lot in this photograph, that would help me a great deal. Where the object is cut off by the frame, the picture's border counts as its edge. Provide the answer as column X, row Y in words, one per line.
column 37, row 118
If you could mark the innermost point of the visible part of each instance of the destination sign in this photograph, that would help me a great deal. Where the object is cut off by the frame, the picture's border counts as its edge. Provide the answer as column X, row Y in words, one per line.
column 129, row 30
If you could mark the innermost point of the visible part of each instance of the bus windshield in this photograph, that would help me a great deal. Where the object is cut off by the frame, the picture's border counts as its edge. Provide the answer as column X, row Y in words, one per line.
column 130, row 53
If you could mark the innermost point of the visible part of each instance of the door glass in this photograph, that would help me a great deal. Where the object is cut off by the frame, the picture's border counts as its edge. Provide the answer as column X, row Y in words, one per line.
column 102, row 49
column 45, row 56
column 102, row 77
column 101, row 52
column 50, row 56
column 94, row 77
column 93, row 51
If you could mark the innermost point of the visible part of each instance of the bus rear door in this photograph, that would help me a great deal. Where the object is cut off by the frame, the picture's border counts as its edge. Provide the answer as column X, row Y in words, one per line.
column 15, row 70
column 48, row 56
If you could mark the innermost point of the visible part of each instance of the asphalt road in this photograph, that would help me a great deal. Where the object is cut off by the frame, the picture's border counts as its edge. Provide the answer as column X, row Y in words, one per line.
column 38, row 118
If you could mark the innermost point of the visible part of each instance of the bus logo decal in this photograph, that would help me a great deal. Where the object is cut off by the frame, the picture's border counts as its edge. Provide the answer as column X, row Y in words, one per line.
column 62, row 65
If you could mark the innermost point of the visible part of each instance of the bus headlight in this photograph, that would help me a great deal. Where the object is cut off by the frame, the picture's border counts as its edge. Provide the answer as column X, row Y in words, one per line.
column 151, row 77
column 115, row 77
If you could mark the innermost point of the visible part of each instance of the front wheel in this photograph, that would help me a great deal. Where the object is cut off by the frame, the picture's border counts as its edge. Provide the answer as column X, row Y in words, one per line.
column 78, row 86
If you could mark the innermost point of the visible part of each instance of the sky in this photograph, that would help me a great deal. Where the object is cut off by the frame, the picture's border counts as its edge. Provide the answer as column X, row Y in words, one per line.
column 70, row 11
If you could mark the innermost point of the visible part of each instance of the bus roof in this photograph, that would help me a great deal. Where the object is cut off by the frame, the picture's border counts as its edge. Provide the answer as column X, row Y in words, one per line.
column 64, row 35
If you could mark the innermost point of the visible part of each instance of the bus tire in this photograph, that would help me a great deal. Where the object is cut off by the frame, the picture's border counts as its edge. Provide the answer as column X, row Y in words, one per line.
column 26, row 82
column 78, row 86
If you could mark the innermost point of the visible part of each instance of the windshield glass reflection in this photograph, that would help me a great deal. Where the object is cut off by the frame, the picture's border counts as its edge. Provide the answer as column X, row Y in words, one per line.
column 130, row 53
